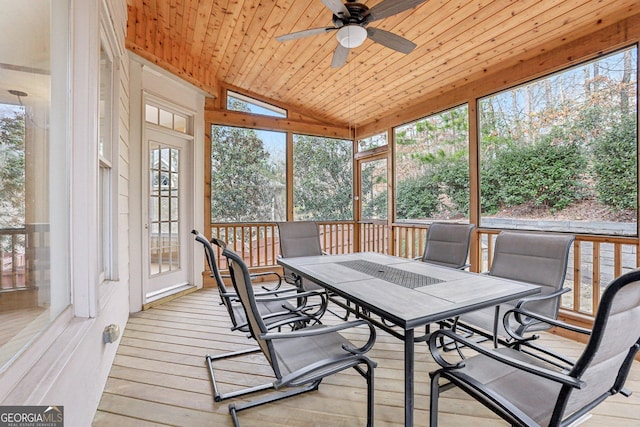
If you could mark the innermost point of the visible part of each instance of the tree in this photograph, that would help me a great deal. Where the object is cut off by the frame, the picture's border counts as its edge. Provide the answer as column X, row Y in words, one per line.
column 323, row 178
column 12, row 174
column 242, row 184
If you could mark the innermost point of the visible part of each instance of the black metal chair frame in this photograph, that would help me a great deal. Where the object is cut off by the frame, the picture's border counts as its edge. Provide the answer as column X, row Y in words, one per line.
column 301, row 380
column 294, row 317
column 569, row 373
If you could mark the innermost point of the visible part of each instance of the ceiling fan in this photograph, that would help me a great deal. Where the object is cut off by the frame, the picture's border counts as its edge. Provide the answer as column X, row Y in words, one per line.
column 350, row 21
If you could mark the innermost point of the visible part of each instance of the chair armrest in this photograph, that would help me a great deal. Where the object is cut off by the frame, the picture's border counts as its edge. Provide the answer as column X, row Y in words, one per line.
column 320, row 330
column 518, row 364
column 269, row 273
column 261, row 294
column 277, row 297
column 277, row 325
column 552, row 295
column 519, row 312
column 526, row 322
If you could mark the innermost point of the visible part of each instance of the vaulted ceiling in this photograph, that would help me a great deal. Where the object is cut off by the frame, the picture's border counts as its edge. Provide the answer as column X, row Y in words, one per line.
column 231, row 44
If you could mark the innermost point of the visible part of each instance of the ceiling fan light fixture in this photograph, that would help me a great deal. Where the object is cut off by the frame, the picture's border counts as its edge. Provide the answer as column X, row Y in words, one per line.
column 351, row 36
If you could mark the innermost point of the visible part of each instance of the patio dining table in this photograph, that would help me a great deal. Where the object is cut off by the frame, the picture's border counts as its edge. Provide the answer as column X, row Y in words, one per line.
column 401, row 295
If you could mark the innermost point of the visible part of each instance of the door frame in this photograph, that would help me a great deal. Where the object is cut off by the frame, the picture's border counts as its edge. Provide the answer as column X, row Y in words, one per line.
column 186, row 200
column 380, row 153
column 138, row 291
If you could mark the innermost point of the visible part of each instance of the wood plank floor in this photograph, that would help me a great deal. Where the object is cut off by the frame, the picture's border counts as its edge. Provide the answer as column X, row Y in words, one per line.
column 159, row 377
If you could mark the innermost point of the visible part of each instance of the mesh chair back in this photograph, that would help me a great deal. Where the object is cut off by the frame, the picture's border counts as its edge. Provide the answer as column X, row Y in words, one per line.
column 537, row 258
column 215, row 272
column 299, row 238
column 448, row 244
column 615, row 339
column 257, row 327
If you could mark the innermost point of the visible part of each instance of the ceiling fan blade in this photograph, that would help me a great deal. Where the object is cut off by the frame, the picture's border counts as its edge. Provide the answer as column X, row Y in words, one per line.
column 337, row 7
column 388, row 8
column 305, row 33
column 390, row 40
column 339, row 56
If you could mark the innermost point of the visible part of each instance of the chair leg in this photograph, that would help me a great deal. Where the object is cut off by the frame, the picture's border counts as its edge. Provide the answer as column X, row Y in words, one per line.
column 435, row 394
column 217, row 395
column 370, row 400
column 234, row 408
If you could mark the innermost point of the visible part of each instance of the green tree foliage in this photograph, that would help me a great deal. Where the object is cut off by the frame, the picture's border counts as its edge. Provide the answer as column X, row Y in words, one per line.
column 543, row 173
column 240, row 169
column 12, row 173
column 417, row 198
column 433, row 166
column 323, row 177
column 615, row 158
column 374, row 195
column 452, row 172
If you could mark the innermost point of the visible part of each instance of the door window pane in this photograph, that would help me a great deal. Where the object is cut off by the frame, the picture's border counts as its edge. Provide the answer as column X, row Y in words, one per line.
column 164, row 203
column 374, row 190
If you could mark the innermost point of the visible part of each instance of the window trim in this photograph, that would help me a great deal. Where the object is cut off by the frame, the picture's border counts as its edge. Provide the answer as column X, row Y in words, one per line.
column 107, row 201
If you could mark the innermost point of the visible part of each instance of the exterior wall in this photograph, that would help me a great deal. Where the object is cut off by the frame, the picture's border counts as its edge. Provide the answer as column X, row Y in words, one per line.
column 68, row 363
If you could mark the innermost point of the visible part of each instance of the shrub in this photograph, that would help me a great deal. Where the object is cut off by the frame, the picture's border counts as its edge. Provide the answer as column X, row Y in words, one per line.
column 417, row 198
column 544, row 173
column 615, row 165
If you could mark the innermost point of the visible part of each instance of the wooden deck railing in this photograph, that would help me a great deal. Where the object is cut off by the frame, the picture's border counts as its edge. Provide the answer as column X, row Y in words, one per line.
column 259, row 244
column 12, row 253
column 594, row 260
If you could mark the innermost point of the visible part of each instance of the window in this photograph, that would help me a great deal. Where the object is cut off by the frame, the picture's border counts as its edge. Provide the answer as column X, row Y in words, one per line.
column 34, row 180
column 167, row 119
column 375, row 141
column 107, row 147
column 248, row 175
column 563, row 147
column 432, row 167
column 322, row 178
column 246, row 104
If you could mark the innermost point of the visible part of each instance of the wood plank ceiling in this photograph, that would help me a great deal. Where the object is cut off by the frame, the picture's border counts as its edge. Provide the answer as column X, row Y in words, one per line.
column 216, row 44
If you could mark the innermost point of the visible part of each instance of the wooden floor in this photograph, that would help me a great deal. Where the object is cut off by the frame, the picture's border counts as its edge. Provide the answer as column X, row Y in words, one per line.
column 159, row 377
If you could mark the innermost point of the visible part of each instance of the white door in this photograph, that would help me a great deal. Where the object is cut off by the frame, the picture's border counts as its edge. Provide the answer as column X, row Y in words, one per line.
column 168, row 197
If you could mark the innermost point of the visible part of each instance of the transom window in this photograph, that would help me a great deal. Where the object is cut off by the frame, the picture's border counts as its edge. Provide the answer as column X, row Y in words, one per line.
column 239, row 102
column 166, row 119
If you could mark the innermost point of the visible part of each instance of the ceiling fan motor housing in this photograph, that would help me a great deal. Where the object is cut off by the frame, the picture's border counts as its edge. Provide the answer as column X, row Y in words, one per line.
column 358, row 12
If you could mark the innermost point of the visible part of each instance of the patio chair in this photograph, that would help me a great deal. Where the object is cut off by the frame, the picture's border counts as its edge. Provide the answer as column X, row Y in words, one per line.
column 448, row 244
column 274, row 305
column 526, row 392
column 300, row 359
column 536, row 258
column 301, row 238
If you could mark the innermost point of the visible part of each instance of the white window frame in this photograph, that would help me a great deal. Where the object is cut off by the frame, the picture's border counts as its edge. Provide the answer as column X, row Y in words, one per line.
column 108, row 135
